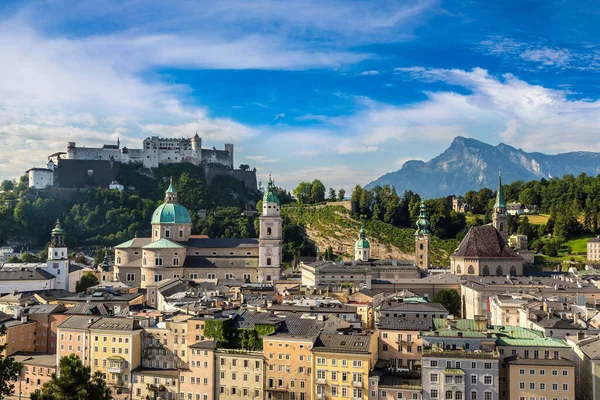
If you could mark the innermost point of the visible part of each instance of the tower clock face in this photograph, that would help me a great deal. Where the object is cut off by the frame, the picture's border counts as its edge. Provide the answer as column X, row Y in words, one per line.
column 268, row 251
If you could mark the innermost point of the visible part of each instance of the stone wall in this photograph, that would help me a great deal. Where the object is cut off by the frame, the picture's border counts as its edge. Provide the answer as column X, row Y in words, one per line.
column 85, row 173
column 248, row 178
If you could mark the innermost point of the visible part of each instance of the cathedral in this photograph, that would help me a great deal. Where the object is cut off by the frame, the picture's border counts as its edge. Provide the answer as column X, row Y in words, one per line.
column 173, row 252
column 484, row 251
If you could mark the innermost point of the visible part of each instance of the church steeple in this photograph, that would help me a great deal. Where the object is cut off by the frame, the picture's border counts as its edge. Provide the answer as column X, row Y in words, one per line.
column 499, row 216
column 171, row 193
column 423, row 223
column 422, row 239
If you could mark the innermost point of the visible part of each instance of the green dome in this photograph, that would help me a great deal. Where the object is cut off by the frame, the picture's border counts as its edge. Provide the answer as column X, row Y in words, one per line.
column 270, row 196
column 171, row 213
column 362, row 242
column 57, row 229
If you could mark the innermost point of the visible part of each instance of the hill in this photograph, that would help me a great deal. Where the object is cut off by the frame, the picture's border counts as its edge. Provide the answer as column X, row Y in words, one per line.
column 337, row 227
column 469, row 164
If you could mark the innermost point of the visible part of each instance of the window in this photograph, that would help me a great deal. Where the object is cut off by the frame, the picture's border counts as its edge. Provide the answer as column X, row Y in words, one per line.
column 130, row 277
column 487, row 379
column 473, row 379
column 448, row 395
column 531, row 385
column 565, row 372
column 473, row 395
column 268, row 261
column 434, row 393
column 521, row 372
column 433, row 378
column 532, row 372
column 158, row 277
column 487, row 365
column 487, row 395
column 433, row 363
column 554, row 372
column 565, row 386
column 542, row 386
column 555, row 386
column 158, row 262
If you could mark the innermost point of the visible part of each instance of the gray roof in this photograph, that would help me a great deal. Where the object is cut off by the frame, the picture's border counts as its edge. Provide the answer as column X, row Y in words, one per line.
column 78, row 322
column 221, row 243
column 25, row 274
column 596, row 239
column 343, row 343
column 320, row 309
column 220, row 262
column 116, row 324
column 44, row 309
column 104, row 297
column 407, row 324
column 561, row 362
column 206, row 344
column 37, row 359
column 89, row 309
column 591, row 347
column 247, row 319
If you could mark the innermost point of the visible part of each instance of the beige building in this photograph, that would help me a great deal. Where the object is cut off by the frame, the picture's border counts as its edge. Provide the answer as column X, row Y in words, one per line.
column 239, row 374
column 155, row 383
column 197, row 379
column 586, row 355
column 548, row 379
column 400, row 343
column 115, row 351
column 173, row 252
column 74, row 338
column 505, row 310
column 593, row 249
column 37, row 370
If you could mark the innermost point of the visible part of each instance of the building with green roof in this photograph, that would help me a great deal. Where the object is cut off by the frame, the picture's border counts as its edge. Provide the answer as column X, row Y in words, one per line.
column 362, row 248
column 422, row 240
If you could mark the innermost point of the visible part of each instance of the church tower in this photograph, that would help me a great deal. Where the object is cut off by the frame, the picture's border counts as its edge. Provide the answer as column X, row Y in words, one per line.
column 422, row 240
column 58, row 259
column 270, row 237
column 499, row 216
column 362, row 248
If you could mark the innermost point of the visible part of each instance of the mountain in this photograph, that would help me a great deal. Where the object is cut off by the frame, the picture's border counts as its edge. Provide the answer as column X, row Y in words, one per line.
column 469, row 164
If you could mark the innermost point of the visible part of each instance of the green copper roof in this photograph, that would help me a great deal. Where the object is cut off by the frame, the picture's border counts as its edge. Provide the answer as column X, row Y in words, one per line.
column 423, row 223
column 163, row 244
column 362, row 242
column 270, row 196
column 171, row 213
column 57, row 229
column 500, row 203
column 105, row 264
column 125, row 245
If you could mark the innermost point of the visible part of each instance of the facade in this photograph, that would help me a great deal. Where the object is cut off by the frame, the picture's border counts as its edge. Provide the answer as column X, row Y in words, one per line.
column 460, row 375
column 342, row 364
column 400, row 341
column 540, row 378
column 37, row 370
column 115, row 351
column 40, row 178
column 422, row 241
column 593, row 249
column 172, row 252
column 459, row 205
column 239, row 373
column 73, row 338
column 47, row 318
column 586, row 355
column 20, row 336
column 198, row 378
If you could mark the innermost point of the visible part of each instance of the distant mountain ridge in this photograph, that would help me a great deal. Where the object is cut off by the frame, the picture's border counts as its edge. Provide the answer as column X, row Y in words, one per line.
column 469, row 164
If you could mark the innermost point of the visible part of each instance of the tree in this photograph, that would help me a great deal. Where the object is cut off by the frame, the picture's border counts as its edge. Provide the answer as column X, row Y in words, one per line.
column 355, row 198
column 317, row 191
column 9, row 370
column 341, row 194
column 332, row 195
column 303, row 192
column 449, row 299
column 244, row 167
column 7, row 185
column 74, row 383
column 87, row 281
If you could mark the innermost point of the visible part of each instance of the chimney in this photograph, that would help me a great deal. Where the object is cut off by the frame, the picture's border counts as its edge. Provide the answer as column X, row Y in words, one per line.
column 24, row 318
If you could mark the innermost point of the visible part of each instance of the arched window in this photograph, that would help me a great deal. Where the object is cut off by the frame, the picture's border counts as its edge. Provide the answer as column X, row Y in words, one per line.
column 144, row 261
column 471, row 270
column 448, row 395
column 486, row 271
column 167, row 233
column 513, row 271
column 176, row 261
column 268, row 231
column 458, row 269
column 458, row 395
column 499, row 270
column 158, row 262
column 156, row 233
column 501, row 226
column 180, row 233
column 118, row 259
column 421, row 246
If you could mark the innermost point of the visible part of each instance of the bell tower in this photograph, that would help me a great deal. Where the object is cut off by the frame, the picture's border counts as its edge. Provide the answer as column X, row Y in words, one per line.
column 58, row 258
column 422, row 240
column 270, row 237
column 499, row 216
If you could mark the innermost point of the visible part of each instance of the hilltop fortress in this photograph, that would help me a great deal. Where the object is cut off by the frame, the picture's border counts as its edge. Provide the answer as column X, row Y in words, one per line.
column 155, row 151
column 99, row 166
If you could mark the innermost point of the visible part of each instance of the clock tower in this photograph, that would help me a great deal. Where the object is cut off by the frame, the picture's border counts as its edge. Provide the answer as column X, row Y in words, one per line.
column 58, row 259
column 270, row 237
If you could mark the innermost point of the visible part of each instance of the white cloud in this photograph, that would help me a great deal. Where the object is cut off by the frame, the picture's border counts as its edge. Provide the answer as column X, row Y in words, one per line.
column 547, row 56
column 370, row 72
column 262, row 159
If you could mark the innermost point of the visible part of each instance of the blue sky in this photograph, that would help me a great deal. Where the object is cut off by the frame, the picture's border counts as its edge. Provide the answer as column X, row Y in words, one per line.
column 339, row 90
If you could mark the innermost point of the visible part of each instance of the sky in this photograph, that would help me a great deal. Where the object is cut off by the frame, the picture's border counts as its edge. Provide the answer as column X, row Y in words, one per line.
column 338, row 90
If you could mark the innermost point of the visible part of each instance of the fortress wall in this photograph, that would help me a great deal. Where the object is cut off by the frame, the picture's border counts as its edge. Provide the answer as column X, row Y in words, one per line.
column 247, row 177
column 86, row 173
column 216, row 157
column 84, row 153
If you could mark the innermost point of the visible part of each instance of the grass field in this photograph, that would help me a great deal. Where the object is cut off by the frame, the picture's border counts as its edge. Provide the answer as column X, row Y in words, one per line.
column 579, row 244
column 537, row 219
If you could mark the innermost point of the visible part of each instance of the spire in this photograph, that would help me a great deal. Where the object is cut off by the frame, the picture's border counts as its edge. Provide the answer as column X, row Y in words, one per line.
column 118, row 142
column 500, row 203
column 423, row 223
column 361, row 233
column 171, row 193
column 57, row 229
column 270, row 195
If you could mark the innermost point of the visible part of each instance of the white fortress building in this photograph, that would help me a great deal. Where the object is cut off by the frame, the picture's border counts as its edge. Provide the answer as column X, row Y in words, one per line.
column 155, row 151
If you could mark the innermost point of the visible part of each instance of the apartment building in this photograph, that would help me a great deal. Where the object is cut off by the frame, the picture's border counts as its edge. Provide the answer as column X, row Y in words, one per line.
column 115, row 351
column 151, row 383
column 239, row 374
column 73, row 337
column 197, row 381
column 37, row 370
column 540, row 379
column 342, row 364
column 20, row 335
column 458, row 374
column 386, row 385
column 400, row 343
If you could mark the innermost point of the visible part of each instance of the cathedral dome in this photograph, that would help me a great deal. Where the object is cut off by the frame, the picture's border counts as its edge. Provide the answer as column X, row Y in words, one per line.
column 171, row 212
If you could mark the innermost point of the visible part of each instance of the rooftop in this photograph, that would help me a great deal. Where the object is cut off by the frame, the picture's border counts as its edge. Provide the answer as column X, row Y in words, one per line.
column 116, row 324
column 459, row 354
column 560, row 362
column 78, row 322
column 343, row 343
column 484, row 242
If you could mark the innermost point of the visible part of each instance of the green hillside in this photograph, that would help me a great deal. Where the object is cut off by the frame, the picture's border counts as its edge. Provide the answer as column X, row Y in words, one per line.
column 337, row 227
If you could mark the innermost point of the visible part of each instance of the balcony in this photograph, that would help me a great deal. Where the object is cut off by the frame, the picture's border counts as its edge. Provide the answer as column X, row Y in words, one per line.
column 357, row 398
column 321, row 396
column 357, row 384
column 282, row 388
column 115, row 369
column 321, row 381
